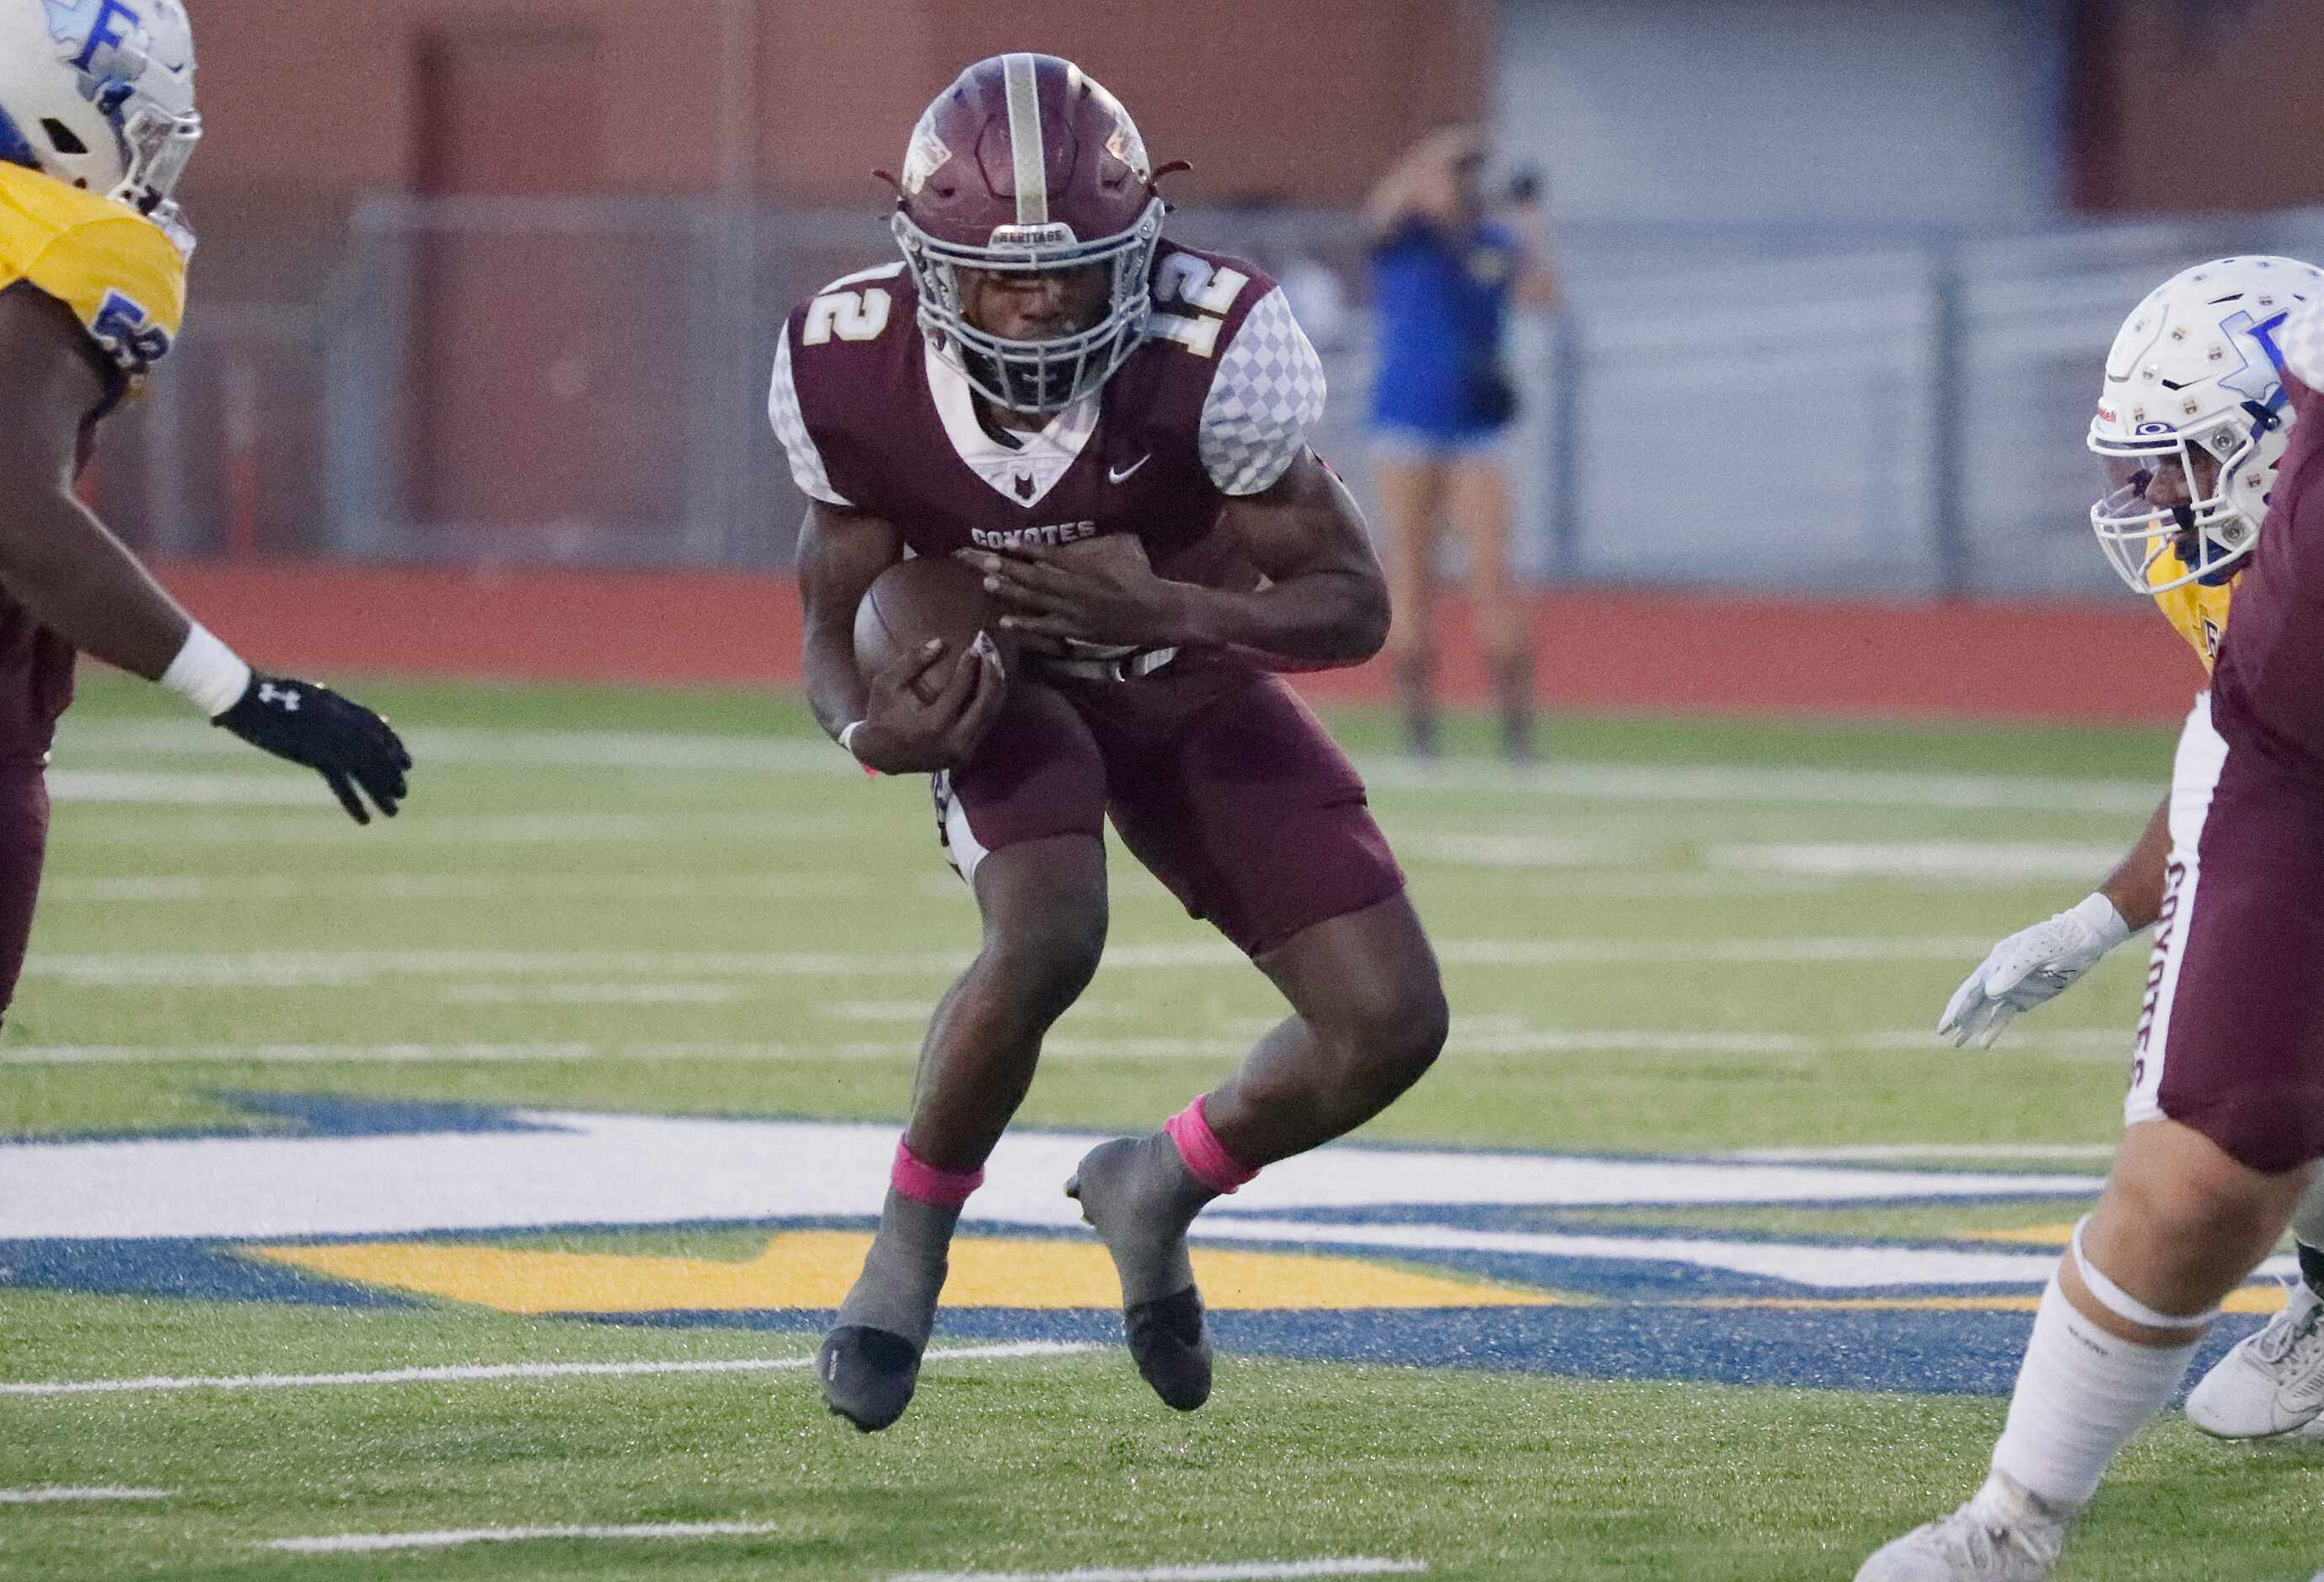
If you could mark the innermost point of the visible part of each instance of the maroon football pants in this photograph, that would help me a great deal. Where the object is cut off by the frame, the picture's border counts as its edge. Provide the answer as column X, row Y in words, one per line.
column 1235, row 797
column 24, row 839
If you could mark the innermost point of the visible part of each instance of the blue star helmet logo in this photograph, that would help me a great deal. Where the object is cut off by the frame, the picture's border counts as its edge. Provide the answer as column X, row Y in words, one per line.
column 2254, row 381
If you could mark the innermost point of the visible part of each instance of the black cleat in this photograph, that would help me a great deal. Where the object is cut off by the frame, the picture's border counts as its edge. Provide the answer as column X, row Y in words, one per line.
column 1167, row 1338
column 1172, row 1349
column 869, row 1374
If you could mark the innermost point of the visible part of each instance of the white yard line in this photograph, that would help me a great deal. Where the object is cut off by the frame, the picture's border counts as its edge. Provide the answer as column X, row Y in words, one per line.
column 1499, row 850
column 1882, row 1153
column 912, row 1011
column 210, row 890
column 147, row 787
column 1216, row 1571
column 352, row 1543
column 331, row 968
column 1747, row 782
column 84, row 1055
column 554, row 1167
column 592, row 993
column 916, row 1011
column 2008, row 862
column 296, row 968
column 58, row 1495
column 659, row 752
column 1633, row 884
column 426, row 827
column 207, row 889
column 776, row 755
column 1480, row 1036
column 479, row 1372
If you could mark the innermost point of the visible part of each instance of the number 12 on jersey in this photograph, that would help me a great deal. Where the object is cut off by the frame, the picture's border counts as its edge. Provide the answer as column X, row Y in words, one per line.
column 1185, row 279
column 852, row 315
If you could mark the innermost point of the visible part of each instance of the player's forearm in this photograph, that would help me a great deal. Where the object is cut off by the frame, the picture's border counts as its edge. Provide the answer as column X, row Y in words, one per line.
column 2136, row 886
column 835, row 692
column 1315, row 621
column 78, row 580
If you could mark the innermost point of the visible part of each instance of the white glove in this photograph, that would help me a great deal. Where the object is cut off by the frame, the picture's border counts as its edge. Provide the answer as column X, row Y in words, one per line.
column 2031, row 966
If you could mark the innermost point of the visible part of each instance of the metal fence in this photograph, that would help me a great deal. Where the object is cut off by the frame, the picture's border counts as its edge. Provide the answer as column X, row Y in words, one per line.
column 582, row 382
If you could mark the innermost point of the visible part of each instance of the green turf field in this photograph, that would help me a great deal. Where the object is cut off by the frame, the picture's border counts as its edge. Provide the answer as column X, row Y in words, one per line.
column 540, row 1074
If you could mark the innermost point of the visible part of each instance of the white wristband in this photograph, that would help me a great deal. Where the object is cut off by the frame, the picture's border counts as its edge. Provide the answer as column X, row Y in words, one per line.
column 2099, row 916
column 847, row 736
column 207, row 673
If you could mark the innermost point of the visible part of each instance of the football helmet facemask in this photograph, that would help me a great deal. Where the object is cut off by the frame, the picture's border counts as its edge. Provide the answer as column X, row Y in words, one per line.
column 2194, row 392
column 99, row 94
column 1025, row 165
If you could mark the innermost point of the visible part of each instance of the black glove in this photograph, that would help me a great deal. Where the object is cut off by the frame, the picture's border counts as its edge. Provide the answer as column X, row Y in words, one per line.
column 315, row 726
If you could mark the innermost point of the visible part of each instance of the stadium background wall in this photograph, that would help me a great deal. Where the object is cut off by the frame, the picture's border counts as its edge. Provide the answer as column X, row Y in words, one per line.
column 807, row 97
column 1600, row 649
column 552, row 97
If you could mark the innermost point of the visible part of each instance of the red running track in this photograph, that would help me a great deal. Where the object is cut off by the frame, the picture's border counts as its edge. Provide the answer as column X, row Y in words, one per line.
column 1600, row 650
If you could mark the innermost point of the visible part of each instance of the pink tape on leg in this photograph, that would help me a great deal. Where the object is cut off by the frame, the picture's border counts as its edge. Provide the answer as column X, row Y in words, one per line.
column 1205, row 1156
column 924, row 1183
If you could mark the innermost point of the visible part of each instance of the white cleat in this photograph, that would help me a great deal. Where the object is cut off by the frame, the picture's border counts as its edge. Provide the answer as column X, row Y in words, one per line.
column 2271, row 1382
column 1983, row 1542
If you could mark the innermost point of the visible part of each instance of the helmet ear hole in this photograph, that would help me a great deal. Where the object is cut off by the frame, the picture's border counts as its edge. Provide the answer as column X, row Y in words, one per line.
column 62, row 136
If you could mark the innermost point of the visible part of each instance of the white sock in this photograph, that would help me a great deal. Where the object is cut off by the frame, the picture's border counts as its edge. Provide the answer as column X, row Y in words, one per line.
column 2081, row 1394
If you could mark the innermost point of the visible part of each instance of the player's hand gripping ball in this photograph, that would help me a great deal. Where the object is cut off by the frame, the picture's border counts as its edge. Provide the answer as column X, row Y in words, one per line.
column 1101, row 590
column 927, row 646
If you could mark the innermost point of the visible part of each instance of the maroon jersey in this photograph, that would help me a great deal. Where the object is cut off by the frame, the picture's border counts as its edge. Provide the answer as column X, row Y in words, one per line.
column 2231, row 1035
column 2268, row 689
column 1216, row 403
column 1217, row 778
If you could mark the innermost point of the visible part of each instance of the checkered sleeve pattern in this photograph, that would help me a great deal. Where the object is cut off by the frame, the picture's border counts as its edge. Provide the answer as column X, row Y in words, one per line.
column 1268, row 392
column 790, row 428
column 2302, row 343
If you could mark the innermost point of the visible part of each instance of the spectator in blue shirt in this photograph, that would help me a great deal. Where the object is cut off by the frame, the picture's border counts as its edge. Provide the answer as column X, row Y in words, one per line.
column 1444, row 274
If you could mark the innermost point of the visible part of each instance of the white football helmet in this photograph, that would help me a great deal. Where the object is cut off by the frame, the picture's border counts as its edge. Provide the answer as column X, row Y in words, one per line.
column 99, row 94
column 2194, row 390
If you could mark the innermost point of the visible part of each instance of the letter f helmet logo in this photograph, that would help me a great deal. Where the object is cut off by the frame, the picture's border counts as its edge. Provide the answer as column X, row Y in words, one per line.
column 107, row 23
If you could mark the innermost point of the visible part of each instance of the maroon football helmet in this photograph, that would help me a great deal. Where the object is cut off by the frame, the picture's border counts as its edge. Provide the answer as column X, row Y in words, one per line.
column 1026, row 164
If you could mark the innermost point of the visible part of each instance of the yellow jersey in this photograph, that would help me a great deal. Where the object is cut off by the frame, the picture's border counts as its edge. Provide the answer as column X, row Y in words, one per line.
column 119, row 273
column 2197, row 613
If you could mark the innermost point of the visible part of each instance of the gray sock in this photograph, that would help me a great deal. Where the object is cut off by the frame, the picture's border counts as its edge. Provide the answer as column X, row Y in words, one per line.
column 904, row 1270
column 1141, row 1197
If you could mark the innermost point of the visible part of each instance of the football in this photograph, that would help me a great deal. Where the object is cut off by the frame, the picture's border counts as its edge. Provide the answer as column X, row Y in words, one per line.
column 929, row 595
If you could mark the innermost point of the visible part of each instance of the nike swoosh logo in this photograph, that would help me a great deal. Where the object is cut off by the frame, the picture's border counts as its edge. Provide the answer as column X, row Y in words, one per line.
column 1115, row 475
